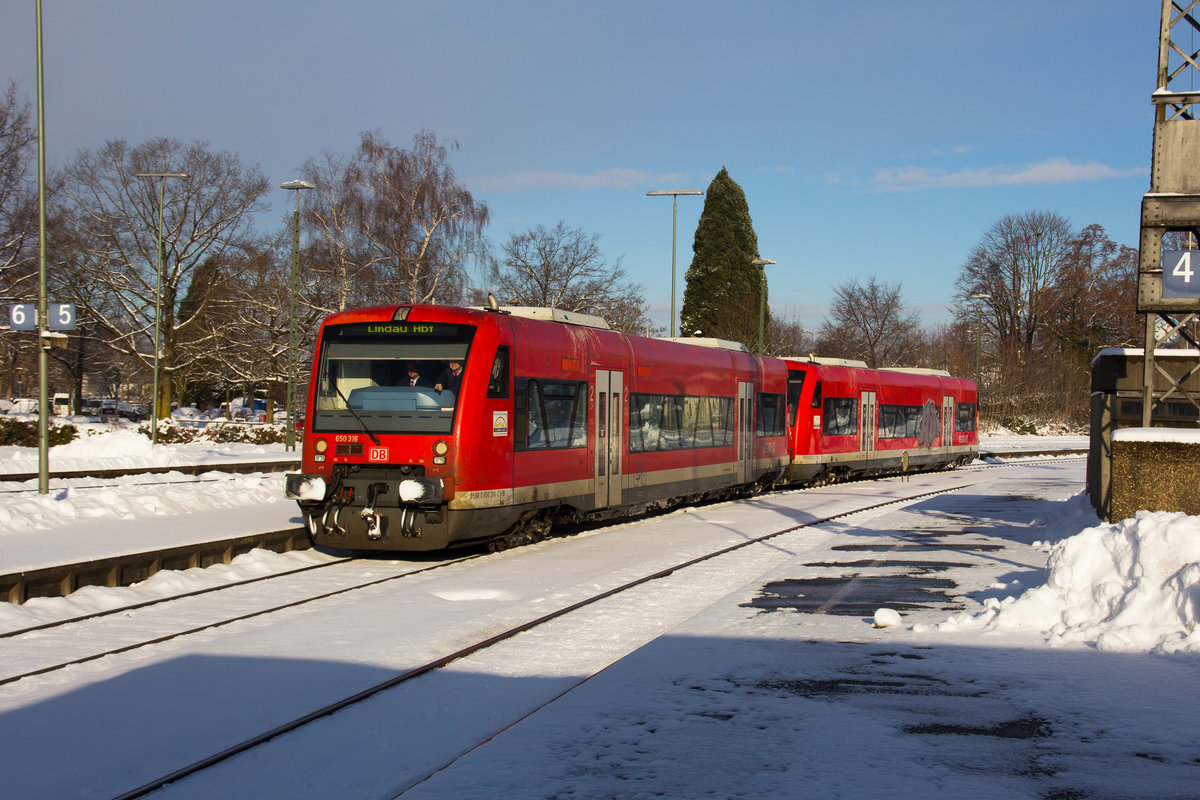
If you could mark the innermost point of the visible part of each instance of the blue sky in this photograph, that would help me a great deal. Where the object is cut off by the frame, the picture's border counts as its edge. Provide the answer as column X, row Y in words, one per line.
column 871, row 138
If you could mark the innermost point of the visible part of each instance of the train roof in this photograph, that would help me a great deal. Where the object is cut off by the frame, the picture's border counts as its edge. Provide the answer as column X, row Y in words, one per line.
column 939, row 373
column 827, row 362
column 553, row 315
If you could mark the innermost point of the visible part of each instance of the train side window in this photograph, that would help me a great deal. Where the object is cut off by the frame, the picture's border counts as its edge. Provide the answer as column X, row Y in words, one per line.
column 660, row 422
column 549, row 414
column 770, row 414
column 498, row 382
column 840, row 416
column 964, row 417
column 899, row 422
column 816, row 401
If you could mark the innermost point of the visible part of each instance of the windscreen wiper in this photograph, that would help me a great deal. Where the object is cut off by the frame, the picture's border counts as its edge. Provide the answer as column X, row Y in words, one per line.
column 350, row 408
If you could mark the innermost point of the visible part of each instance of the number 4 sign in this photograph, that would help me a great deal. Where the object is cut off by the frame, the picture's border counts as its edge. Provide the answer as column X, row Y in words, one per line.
column 1180, row 277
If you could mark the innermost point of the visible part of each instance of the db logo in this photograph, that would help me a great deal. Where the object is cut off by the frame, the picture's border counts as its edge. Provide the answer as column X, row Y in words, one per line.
column 377, row 454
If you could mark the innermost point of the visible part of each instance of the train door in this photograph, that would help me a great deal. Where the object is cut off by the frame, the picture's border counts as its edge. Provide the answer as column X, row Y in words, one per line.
column 745, row 431
column 610, row 443
column 947, row 422
column 866, row 423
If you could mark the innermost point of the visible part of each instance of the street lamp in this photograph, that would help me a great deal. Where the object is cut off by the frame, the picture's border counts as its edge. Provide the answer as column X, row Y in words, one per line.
column 674, row 209
column 810, row 333
column 762, row 304
column 978, row 298
column 155, row 404
column 289, row 436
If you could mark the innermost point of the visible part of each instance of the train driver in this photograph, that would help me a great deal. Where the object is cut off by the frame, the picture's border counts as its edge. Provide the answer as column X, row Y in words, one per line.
column 414, row 376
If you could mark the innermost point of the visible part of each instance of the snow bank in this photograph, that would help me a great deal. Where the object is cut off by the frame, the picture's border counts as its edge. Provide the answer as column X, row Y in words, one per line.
column 124, row 449
column 1132, row 586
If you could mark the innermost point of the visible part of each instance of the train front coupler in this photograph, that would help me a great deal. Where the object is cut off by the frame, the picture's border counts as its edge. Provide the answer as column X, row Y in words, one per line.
column 376, row 523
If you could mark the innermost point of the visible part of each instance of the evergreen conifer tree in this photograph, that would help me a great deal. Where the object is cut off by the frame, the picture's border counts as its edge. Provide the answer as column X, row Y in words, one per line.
column 722, row 296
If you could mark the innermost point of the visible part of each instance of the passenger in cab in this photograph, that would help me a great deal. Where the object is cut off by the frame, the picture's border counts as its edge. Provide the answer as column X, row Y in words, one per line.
column 450, row 379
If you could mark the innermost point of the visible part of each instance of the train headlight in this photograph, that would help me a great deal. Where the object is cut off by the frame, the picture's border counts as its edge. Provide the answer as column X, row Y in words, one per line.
column 440, row 448
column 320, row 446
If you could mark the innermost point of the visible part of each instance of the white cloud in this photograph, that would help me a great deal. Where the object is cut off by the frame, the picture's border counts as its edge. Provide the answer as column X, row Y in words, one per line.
column 1052, row 171
column 550, row 180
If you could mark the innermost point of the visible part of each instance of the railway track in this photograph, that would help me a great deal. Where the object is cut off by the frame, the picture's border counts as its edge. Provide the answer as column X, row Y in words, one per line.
column 125, row 570
column 167, row 621
column 463, row 652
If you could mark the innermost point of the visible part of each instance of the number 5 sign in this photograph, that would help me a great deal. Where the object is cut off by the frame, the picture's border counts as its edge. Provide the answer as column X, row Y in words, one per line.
column 1181, row 278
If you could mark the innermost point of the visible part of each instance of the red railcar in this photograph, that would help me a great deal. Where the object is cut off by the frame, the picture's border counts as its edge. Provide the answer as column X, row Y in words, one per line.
column 555, row 417
column 848, row 420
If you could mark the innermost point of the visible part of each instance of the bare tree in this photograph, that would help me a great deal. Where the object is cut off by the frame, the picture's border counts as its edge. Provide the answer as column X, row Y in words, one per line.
column 338, row 261
column 18, row 228
column 869, row 322
column 1093, row 303
column 422, row 225
column 1016, row 264
column 18, row 220
column 564, row 268
column 115, row 219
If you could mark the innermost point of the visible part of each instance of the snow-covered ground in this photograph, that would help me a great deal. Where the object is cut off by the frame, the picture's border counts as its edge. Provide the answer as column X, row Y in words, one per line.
column 1072, row 669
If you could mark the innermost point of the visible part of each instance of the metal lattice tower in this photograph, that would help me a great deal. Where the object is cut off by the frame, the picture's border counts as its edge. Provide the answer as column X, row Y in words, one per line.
column 1168, row 280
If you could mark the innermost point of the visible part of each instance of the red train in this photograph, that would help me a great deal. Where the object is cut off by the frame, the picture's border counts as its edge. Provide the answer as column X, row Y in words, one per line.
column 433, row 426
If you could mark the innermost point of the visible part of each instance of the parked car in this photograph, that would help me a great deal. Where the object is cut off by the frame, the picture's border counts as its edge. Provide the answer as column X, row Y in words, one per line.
column 113, row 409
column 189, row 417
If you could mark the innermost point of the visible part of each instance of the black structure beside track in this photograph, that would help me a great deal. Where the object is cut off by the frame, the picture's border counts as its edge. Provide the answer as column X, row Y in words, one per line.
column 61, row 580
column 124, row 570
column 186, row 469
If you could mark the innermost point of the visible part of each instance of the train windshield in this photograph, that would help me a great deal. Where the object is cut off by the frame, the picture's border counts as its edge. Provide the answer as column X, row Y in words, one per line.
column 390, row 377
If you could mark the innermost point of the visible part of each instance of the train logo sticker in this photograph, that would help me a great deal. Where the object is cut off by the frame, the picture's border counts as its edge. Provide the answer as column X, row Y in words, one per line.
column 499, row 423
column 929, row 424
column 377, row 454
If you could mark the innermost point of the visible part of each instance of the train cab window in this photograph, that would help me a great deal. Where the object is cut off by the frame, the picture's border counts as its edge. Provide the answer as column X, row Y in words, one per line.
column 498, row 381
column 964, row 417
column 381, row 377
column 840, row 416
column 549, row 415
column 771, row 421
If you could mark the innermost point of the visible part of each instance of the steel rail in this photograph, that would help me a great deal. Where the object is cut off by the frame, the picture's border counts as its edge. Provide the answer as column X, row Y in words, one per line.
column 416, row 672
column 229, row 621
column 167, row 599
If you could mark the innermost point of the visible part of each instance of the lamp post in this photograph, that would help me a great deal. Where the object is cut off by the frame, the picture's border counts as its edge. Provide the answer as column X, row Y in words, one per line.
column 155, row 403
column 810, row 333
column 978, row 298
column 674, row 210
column 762, row 304
column 289, row 436
column 43, row 355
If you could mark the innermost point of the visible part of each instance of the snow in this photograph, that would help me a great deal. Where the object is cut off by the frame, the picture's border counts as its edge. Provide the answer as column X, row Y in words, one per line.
column 1070, row 671
column 1182, row 435
column 1129, row 587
